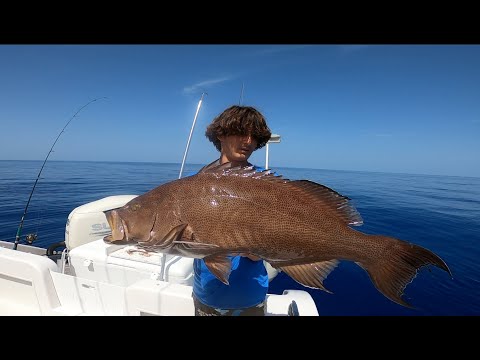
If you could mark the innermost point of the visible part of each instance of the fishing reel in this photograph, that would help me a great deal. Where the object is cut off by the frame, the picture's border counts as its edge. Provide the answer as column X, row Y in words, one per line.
column 30, row 238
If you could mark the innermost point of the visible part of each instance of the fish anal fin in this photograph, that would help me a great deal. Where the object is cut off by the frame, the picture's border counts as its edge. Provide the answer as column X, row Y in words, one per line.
column 220, row 266
column 312, row 274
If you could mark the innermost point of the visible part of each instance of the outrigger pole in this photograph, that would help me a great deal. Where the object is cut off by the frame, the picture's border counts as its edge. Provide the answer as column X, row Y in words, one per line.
column 164, row 255
column 20, row 227
column 190, row 136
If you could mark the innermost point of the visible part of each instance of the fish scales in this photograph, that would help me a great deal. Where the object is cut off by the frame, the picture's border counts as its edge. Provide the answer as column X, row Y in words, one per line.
column 301, row 227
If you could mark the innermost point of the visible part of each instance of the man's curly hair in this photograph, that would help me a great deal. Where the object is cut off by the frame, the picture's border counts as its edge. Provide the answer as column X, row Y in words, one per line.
column 239, row 120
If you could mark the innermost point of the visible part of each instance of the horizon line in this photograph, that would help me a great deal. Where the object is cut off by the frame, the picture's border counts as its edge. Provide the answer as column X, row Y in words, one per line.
column 284, row 167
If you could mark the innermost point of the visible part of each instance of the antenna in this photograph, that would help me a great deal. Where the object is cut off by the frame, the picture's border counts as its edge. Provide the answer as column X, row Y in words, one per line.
column 241, row 95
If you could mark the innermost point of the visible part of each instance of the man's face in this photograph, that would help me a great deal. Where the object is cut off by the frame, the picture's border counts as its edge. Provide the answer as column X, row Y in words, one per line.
column 237, row 148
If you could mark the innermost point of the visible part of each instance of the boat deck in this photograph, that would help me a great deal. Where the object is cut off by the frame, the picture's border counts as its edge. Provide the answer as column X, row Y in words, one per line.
column 93, row 284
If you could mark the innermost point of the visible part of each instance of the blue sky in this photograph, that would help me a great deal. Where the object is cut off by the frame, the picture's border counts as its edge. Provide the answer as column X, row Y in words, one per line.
column 388, row 108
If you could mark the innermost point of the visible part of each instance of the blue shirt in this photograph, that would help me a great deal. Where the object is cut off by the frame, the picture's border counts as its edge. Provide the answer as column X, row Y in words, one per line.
column 248, row 283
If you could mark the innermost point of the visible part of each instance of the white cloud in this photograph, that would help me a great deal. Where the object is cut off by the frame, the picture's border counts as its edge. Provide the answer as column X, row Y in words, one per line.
column 200, row 86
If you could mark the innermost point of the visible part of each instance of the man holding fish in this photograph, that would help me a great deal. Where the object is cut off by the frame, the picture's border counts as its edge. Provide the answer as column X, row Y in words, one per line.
column 231, row 215
column 236, row 133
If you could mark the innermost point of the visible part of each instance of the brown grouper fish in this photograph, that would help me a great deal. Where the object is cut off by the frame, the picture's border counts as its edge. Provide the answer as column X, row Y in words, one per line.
column 298, row 226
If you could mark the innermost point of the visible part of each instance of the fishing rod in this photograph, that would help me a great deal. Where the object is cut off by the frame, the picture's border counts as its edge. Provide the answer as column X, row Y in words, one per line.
column 190, row 136
column 31, row 237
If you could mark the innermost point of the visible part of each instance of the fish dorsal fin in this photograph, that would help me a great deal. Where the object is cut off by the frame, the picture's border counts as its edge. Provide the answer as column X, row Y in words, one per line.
column 220, row 266
column 311, row 275
column 332, row 199
column 216, row 167
column 252, row 172
column 317, row 192
column 209, row 166
column 227, row 169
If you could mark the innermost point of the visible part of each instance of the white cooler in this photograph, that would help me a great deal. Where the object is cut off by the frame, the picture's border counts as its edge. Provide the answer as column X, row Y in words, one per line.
column 119, row 265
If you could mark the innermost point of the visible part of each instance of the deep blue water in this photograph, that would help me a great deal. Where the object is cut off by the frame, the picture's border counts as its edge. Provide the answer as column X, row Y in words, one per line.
column 441, row 213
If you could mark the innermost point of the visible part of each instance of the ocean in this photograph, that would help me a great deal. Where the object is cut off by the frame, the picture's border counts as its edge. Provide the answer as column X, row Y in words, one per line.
column 441, row 213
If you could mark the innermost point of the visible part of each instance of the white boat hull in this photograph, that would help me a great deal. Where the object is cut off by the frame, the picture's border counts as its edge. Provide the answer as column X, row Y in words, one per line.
column 95, row 278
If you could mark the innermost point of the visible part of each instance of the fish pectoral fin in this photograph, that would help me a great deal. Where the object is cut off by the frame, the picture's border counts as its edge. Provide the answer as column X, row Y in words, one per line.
column 220, row 266
column 311, row 275
column 164, row 242
column 191, row 245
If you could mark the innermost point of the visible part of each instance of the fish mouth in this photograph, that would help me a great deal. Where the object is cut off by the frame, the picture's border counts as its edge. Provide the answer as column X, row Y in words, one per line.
column 118, row 226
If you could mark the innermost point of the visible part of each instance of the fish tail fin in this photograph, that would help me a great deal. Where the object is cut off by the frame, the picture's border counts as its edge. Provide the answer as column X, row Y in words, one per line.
column 398, row 266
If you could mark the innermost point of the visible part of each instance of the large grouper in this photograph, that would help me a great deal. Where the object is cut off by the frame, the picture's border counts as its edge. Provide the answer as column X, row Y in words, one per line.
column 298, row 226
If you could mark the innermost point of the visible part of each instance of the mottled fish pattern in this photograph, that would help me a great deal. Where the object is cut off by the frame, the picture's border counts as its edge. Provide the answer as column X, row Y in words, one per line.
column 300, row 227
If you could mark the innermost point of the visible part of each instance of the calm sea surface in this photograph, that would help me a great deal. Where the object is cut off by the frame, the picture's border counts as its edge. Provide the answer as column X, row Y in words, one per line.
column 441, row 213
